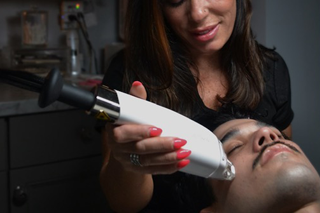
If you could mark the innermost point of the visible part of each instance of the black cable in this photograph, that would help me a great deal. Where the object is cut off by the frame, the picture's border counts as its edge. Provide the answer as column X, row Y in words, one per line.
column 85, row 33
column 22, row 79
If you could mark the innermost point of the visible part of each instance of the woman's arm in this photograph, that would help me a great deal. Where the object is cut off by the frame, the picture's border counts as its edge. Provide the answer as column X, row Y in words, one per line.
column 129, row 187
column 125, row 191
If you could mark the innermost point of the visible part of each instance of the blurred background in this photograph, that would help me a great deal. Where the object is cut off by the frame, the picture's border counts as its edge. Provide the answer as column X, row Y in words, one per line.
column 293, row 27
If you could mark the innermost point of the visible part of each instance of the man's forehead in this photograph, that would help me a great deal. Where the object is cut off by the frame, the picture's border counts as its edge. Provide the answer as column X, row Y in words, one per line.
column 233, row 124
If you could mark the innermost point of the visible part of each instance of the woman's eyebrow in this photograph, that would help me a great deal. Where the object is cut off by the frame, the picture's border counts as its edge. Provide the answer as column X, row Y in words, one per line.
column 229, row 135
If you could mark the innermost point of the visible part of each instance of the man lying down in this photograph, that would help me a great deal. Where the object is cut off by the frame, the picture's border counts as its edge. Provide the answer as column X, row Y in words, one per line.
column 272, row 173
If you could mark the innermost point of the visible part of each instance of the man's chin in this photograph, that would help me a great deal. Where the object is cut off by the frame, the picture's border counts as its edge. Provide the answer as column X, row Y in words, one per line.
column 295, row 181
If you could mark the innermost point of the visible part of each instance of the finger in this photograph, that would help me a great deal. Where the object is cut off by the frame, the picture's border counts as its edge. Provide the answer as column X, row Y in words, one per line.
column 167, row 169
column 155, row 159
column 134, row 132
column 152, row 145
column 160, row 169
column 155, row 163
column 137, row 89
column 164, row 159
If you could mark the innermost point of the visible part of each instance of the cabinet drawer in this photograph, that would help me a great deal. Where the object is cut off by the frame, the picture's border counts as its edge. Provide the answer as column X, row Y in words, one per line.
column 71, row 186
column 4, row 203
column 52, row 137
column 3, row 145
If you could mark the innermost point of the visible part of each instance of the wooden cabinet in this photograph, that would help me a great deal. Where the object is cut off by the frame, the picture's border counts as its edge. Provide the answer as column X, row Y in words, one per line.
column 3, row 145
column 3, row 167
column 4, row 202
column 50, row 162
column 66, row 187
column 52, row 137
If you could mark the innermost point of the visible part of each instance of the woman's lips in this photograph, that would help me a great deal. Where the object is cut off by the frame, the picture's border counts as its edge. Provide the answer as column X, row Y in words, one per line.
column 272, row 152
column 205, row 34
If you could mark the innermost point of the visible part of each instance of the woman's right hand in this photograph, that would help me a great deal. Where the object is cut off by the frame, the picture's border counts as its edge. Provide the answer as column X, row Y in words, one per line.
column 157, row 155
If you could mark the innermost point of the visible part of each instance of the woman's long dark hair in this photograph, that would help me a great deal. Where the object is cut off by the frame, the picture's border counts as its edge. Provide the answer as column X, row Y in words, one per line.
column 155, row 56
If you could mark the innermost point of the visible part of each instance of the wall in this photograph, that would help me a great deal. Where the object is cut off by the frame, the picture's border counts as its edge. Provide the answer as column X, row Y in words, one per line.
column 293, row 27
column 105, row 32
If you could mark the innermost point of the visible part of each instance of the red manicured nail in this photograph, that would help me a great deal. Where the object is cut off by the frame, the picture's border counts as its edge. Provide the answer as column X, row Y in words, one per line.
column 183, row 163
column 178, row 143
column 136, row 83
column 154, row 131
column 183, row 153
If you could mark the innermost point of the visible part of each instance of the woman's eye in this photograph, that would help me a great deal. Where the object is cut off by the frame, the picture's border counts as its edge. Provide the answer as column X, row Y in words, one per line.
column 234, row 148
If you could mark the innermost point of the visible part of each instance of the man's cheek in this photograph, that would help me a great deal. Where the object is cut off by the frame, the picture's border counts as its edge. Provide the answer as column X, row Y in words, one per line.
column 243, row 167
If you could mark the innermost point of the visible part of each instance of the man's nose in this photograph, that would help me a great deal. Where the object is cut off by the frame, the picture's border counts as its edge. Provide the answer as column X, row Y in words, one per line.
column 264, row 136
column 198, row 10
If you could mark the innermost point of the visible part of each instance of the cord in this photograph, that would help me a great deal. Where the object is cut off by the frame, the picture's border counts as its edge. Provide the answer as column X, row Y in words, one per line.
column 22, row 79
column 84, row 30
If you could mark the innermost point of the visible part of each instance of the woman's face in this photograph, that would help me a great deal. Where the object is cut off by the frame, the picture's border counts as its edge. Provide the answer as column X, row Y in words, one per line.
column 204, row 25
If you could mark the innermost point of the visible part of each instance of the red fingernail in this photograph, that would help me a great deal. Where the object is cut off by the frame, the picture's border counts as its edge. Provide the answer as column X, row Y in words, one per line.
column 178, row 143
column 136, row 83
column 154, row 131
column 183, row 153
column 183, row 163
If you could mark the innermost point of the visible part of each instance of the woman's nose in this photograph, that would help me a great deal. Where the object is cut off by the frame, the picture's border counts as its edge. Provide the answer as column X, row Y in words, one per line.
column 264, row 136
column 198, row 10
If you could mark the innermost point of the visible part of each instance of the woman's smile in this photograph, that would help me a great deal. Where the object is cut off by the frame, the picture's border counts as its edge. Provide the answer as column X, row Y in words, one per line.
column 205, row 34
column 204, row 26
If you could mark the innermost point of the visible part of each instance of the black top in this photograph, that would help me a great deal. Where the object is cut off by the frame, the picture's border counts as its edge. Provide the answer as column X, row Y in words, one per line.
column 182, row 192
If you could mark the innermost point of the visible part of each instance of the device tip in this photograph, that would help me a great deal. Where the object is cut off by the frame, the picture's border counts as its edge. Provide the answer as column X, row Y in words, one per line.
column 230, row 172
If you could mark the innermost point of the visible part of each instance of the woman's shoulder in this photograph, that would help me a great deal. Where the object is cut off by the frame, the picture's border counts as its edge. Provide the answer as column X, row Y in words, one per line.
column 274, row 62
column 277, row 75
column 276, row 104
column 275, row 72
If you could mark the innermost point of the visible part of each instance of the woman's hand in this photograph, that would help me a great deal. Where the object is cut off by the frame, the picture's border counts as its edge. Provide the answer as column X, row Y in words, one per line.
column 139, row 148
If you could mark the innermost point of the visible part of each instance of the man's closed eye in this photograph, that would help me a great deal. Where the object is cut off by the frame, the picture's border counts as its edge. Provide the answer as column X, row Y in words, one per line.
column 237, row 146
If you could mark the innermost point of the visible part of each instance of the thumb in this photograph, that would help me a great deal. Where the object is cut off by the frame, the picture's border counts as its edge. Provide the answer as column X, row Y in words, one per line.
column 137, row 89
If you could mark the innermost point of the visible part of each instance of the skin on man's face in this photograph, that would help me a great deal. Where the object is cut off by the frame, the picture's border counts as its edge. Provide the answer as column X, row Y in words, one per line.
column 269, row 175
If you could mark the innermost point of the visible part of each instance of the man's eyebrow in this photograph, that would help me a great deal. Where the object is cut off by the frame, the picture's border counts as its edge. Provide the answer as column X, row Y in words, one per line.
column 229, row 135
column 234, row 132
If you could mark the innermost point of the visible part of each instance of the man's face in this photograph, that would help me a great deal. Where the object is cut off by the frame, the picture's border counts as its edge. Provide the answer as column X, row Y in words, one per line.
column 270, row 170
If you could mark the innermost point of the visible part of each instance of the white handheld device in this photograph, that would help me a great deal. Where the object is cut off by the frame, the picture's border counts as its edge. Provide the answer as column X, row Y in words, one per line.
column 207, row 158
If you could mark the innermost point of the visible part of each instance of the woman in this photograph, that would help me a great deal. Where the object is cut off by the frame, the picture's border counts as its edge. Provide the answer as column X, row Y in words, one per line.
column 196, row 57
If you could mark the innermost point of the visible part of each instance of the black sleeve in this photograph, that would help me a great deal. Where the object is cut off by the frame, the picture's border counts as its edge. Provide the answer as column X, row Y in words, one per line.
column 114, row 75
column 275, row 106
column 282, row 88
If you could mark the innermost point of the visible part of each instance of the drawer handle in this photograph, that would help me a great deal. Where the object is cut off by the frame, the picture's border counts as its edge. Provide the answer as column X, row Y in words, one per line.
column 87, row 135
column 20, row 197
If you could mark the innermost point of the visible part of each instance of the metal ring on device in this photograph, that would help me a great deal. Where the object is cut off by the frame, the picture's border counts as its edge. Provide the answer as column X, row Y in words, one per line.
column 135, row 160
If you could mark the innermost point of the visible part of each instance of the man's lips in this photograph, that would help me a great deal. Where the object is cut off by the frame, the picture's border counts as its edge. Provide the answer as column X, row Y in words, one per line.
column 272, row 149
